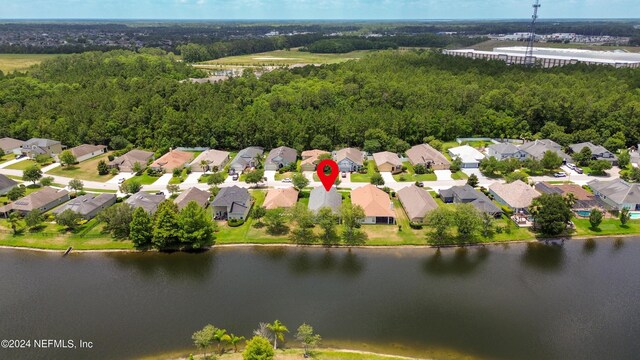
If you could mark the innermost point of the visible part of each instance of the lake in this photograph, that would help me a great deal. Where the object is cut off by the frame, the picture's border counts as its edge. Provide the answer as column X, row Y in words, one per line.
column 579, row 301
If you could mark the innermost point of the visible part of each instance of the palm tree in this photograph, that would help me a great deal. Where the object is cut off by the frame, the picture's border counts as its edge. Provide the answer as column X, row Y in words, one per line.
column 221, row 336
column 278, row 329
column 14, row 218
column 570, row 199
column 234, row 340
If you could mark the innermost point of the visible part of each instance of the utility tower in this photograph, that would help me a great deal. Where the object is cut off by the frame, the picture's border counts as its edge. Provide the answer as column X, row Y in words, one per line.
column 528, row 58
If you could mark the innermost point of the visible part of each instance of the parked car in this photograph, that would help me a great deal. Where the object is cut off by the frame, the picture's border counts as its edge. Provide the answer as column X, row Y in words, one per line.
column 121, row 180
column 235, row 177
column 160, row 193
column 286, row 180
column 344, row 174
column 419, row 184
column 560, row 174
column 578, row 170
column 20, row 156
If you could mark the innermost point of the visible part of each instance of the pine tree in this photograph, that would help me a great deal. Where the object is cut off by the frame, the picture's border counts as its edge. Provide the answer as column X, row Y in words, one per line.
column 140, row 229
column 165, row 230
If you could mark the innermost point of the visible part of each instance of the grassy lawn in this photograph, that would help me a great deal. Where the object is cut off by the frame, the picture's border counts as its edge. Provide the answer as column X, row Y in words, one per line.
column 53, row 237
column 22, row 165
column 246, row 233
column 21, row 62
column 411, row 176
column 284, row 57
column 318, row 354
column 205, row 177
column 371, row 169
column 608, row 227
column 179, row 179
column 7, row 157
column 283, row 176
column 144, row 179
column 459, row 176
column 86, row 170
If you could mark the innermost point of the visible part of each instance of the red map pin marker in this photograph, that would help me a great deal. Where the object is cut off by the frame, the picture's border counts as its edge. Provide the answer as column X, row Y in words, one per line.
column 330, row 178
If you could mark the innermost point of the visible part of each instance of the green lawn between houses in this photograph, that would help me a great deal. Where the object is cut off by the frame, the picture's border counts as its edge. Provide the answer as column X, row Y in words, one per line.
column 86, row 170
column 371, row 169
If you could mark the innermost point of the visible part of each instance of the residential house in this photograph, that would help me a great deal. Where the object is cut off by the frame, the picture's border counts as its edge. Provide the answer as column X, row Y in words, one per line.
column 246, row 158
column 149, row 202
column 505, row 151
column 280, row 157
column 311, row 159
column 6, row 184
column 86, row 151
column 349, row 159
column 200, row 197
column 583, row 198
column 537, row 148
column 388, row 162
column 126, row 162
column 427, row 156
column 617, row 194
column 232, row 203
column 465, row 194
column 281, row 198
column 174, row 159
column 44, row 200
column 210, row 160
column 11, row 146
column 378, row 207
column 319, row 198
column 597, row 152
column 469, row 156
column 516, row 195
column 36, row 146
column 416, row 202
column 88, row 206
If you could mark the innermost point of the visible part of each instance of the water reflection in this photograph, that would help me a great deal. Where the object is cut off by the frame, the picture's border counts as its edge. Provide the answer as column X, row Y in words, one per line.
column 461, row 263
column 544, row 257
column 618, row 244
column 194, row 266
column 589, row 246
column 303, row 261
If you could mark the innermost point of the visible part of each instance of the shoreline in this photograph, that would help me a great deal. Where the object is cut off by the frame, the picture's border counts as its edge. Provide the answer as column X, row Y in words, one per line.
column 314, row 246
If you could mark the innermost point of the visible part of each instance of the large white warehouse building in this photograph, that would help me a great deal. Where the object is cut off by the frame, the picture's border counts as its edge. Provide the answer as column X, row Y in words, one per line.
column 550, row 57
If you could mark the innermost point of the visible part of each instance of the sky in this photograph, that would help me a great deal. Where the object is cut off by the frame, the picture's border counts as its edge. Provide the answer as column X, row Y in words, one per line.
column 314, row 9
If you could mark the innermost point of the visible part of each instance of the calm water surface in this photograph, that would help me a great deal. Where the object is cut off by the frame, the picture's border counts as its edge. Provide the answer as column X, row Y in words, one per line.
column 580, row 301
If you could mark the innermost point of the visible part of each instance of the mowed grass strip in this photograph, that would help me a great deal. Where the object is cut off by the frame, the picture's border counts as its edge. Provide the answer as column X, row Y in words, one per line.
column 86, row 170
column 22, row 62
column 284, row 57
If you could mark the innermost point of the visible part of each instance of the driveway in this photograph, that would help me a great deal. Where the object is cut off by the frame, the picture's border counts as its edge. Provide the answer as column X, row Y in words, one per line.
column 388, row 178
column 270, row 175
column 163, row 180
column 193, row 178
column 11, row 162
column 50, row 167
column 443, row 174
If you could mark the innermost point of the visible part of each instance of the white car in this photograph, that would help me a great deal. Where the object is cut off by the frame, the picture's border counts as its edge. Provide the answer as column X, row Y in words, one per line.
column 560, row 174
column 121, row 180
column 286, row 180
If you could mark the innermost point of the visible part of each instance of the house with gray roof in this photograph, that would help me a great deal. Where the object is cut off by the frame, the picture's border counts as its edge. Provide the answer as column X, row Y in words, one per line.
column 88, row 206
column 465, row 194
column 6, row 184
column 349, row 159
column 417, row 202
column 597, row 152
column 44, row 200
column 246, row 158
column 37, row 146
column 537, row 148
column 200, row 197
column 87, row 151
column 320, row 198
column 128, row 161
column 149, row 202
column 11, row 146
column 617, row 194
column 505, row 151
column 280, row 157
column 232, row 203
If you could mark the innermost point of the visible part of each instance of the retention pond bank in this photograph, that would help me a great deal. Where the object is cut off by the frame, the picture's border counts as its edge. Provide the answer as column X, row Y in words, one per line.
column 525, row 301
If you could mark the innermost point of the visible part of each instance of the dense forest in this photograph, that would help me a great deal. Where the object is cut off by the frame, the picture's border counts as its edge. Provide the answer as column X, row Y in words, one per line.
column 397, row 98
